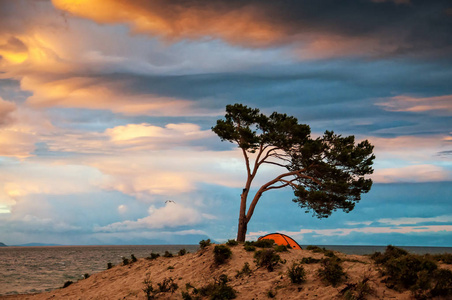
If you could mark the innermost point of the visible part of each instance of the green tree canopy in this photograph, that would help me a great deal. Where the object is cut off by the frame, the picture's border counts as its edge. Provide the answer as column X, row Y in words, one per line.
column 326, row 173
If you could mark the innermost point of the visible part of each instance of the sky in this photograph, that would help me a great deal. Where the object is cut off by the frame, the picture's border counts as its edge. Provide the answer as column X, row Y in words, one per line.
column 106, row 109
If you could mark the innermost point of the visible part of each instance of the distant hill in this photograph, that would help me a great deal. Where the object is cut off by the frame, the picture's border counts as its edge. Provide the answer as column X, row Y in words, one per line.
column 3, row 245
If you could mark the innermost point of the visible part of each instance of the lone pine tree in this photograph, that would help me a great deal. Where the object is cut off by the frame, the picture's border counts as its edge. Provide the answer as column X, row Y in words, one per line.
column 325, row 173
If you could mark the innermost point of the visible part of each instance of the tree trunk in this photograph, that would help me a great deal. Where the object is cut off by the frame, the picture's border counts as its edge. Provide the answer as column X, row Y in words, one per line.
column 241, row 233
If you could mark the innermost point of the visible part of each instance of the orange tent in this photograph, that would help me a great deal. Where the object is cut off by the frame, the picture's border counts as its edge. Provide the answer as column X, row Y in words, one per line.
column 281, row 239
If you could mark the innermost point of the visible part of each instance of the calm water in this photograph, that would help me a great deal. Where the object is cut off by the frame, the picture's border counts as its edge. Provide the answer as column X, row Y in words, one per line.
column 38, row 269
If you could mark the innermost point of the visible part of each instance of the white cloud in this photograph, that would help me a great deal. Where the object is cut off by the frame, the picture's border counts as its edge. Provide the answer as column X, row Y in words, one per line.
column 414, row 221
column 172, row 215
column 155, row 136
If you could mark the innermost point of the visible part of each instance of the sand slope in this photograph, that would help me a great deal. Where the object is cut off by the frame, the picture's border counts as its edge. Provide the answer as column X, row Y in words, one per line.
column 198, row 269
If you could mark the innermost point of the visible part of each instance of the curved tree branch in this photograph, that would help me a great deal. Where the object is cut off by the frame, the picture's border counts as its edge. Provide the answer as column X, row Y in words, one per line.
column 268, row 186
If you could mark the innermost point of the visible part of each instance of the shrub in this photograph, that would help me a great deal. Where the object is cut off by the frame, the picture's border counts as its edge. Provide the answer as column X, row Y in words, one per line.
column 423, row 284
column 296, row 273
column 271, row 293
column 67, row 283
column 264, row 243
column 267, row 258
column 414, row 272
column 182, row 252
column 167, row 254
column 187, row 296
column 109, row 265
column 170, row 268
column 133, row 258
column 125, row 261
column 221, row 253
column 442, row 280
column 358, row 291
column 249, row 248
column 403, row 270
column 245, row 271
column 204, row 243
column 219, row 289
column 167, row 285
column 331, row 271
column 85, row 276
column 232, row 243
column 310, row 260
column 445, row 258
column 281, row 248
column 153, row 256
column 188, row 286
column 314, row 249
column 390, row 253
column 329, row 253
column 148, row 289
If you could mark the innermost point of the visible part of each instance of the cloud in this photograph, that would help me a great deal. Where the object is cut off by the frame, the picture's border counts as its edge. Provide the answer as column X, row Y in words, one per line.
column 172, row 215
column 168, row 172
column 268, row 24
column 414, row 221
column 409, row 150
column 33, row 179
column 79, row 92
column 109, row 94
column 14, row 50
column 351, row 223
column 6, row 109
column 410, row 159
column 415, row 173
column 147, row 133
column 138, row 138
column 20, row 129
column 441, row 105
column 34, row 224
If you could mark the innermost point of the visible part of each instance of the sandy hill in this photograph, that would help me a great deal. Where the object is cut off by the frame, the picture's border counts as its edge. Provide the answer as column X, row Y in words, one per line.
column 199, row 269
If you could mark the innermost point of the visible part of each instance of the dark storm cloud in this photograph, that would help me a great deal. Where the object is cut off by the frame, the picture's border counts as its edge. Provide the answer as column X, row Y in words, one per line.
column 383, row 28
column 335, row 92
